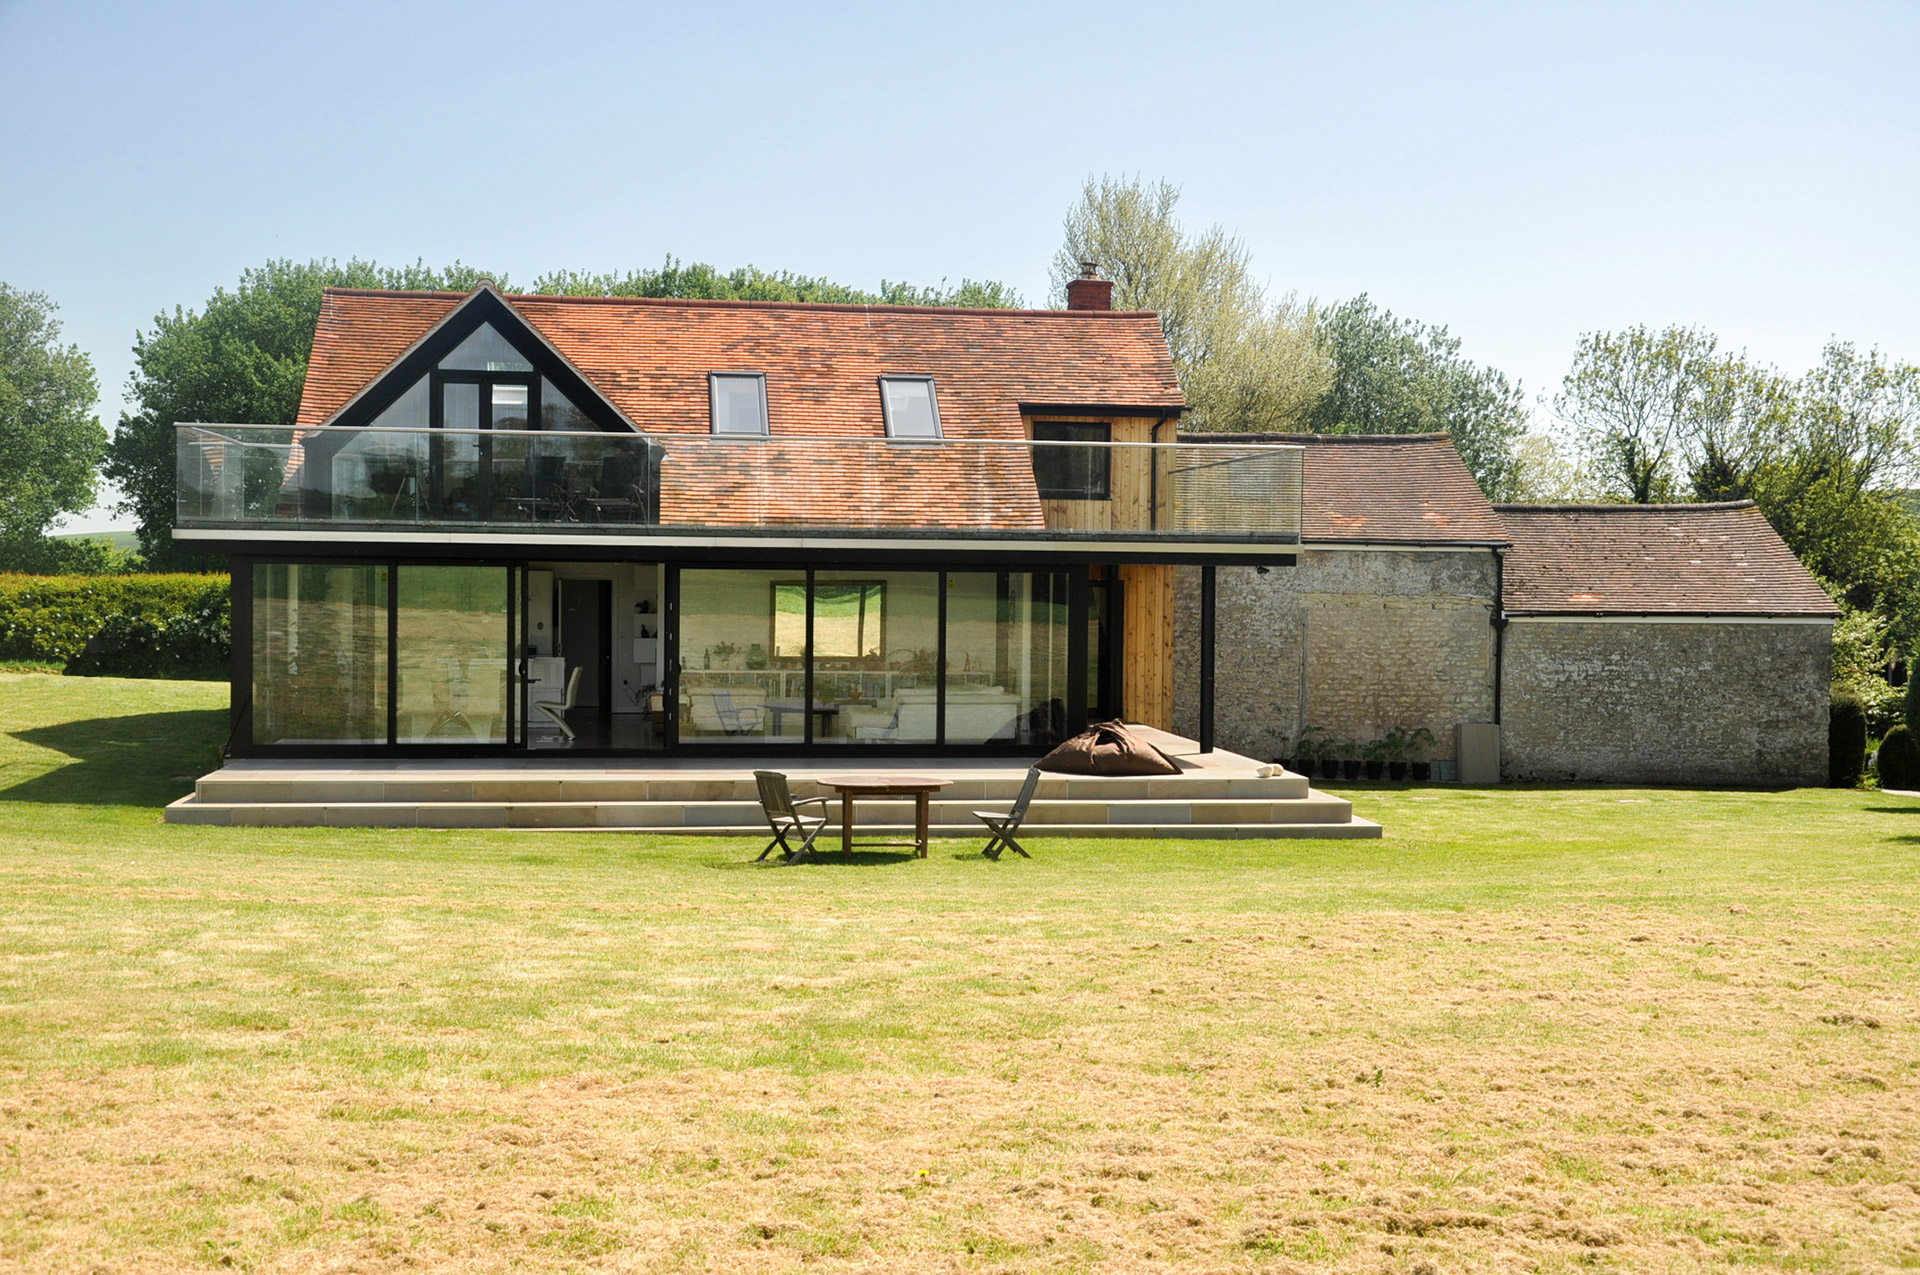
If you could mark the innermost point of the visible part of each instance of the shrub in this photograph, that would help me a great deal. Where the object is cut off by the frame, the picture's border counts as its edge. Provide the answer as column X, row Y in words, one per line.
column 1913, row 694
column 118, row 626
column 1900, row 759
column 1846, row 739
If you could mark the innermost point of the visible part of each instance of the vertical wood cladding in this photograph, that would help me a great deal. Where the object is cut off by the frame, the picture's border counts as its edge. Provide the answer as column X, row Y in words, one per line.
column 1147, row 673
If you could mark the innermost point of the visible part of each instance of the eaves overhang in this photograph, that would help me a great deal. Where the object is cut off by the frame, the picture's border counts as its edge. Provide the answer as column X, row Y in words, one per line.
column 826, row 544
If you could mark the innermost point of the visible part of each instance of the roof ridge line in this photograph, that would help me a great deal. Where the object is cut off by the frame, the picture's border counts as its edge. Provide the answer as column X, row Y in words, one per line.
column 1610, row 507
column 726, row 303
column 1210, row 436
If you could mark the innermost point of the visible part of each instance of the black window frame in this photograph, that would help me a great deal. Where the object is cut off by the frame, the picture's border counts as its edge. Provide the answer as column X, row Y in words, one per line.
column 933, row 400
column 1099, row 483
column 713, row 418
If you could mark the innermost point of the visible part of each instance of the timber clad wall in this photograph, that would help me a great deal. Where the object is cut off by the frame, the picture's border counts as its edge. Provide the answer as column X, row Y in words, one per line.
column 1355, row 641
column 1667, row 703
column 1147, row 676
column 1130, row 478
column 1147, row 679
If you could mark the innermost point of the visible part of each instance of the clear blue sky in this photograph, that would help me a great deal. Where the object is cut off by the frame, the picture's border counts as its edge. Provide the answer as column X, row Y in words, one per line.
column 1522, row 173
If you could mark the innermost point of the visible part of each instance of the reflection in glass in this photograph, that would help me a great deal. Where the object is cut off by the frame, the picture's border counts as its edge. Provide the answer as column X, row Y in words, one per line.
column 557, row 411
column 741, row 675
column 1006, row 657
column 380, row 475
column 319, row 654
column 451, row 657
column 486, row 351
column 876, row 646
column 1072, row 473
column 510, row 407
column 457, row 471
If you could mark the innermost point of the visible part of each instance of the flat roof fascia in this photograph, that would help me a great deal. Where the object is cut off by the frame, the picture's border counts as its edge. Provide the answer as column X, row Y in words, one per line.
column 704, row 545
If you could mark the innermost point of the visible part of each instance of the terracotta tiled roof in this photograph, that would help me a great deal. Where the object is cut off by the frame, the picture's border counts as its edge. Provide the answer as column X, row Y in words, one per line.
column 1722, row 559
column 650, row 357
column 1384, row 489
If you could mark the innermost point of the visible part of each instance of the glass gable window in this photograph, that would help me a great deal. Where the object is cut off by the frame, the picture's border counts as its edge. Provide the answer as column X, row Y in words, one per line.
column 557, row 411
column 738, row 401
column 486, row 351
column 1072, row 473
column 909, row 406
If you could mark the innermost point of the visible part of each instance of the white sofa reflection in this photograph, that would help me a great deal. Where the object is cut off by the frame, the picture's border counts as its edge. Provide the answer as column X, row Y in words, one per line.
column 975, row 714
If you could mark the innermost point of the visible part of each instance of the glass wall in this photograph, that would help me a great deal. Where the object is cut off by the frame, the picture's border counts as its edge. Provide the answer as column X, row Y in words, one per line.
column 742, row 664
column 1007, row 657
column 876, row 657
column 876, row 652
column 319, row 654
column 451, row 655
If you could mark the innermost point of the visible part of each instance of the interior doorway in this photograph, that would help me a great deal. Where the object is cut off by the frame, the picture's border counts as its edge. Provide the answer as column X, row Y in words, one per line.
column 586, row 642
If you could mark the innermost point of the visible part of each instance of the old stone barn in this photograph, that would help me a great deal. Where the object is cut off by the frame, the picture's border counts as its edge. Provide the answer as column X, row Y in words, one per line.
column 1627, row 643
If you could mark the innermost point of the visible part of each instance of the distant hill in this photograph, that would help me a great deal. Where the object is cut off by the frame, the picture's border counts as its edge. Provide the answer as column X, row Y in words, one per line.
column 118, row 539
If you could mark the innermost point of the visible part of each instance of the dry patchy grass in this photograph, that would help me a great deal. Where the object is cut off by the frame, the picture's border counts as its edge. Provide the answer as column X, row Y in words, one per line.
column 1531, row 1030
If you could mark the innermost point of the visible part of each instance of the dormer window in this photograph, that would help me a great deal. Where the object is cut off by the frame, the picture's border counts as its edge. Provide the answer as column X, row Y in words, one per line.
column 910, row 409
column 738, row 403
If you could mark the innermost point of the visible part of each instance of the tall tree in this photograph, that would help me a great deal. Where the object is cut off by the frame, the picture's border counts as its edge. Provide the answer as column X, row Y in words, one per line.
column 1244, row 363
column 1642, row 405
column 50, row 440
column 241, row 359
column 700, row 281
column 1398, row 376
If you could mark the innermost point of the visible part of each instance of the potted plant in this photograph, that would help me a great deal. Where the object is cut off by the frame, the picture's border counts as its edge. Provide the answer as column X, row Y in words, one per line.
column 1311, row 749
column 1393, row 745
column 1375, row 756
column 1420, row 748
column 1351, row 762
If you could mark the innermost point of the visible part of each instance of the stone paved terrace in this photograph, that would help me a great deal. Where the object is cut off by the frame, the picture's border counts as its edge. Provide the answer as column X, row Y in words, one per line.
column 1218, row 794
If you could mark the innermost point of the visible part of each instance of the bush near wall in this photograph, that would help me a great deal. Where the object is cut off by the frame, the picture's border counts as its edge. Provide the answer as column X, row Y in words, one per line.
column 119, row 626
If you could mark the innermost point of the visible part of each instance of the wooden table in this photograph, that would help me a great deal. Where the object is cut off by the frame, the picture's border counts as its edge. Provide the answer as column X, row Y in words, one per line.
column 779, row 708
column 919, row 787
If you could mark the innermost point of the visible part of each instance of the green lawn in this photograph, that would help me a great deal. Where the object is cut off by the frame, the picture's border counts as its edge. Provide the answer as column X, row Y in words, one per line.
column 1530, row 1029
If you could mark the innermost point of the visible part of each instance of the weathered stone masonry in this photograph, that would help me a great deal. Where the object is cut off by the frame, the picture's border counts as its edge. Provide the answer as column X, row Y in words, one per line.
column 1693, row 703
column 1355, row 640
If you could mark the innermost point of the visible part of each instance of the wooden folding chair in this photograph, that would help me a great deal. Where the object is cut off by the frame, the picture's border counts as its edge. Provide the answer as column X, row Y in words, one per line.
column 1004, row 826
column 784, row 817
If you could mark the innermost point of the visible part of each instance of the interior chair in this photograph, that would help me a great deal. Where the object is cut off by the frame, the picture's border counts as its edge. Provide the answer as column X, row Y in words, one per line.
column 557, row 713
column 784, row 817
column 1003, row 826
column 547, row 496
column 736, row 721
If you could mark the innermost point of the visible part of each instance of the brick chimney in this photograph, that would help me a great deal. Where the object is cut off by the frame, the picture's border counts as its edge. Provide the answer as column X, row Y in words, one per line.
column 1089, row 291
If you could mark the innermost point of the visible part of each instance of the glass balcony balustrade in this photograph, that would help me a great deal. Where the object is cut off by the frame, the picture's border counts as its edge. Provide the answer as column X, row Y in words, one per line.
column 549, row 482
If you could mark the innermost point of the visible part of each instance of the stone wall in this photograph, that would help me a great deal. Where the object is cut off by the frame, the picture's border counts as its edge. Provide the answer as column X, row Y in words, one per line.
column 1355, row 641
column 1666, row 703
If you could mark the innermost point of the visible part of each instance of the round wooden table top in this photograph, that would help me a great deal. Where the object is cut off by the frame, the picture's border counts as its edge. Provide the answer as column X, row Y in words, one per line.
column 898, row 783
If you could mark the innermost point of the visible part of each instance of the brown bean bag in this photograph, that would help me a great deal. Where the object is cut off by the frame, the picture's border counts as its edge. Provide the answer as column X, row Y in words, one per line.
column 1109, row 748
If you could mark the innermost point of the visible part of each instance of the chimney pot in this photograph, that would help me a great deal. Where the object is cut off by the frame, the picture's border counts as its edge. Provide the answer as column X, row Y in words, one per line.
column 1089, row 291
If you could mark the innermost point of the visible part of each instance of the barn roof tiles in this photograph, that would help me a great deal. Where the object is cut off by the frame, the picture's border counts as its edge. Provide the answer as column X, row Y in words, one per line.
column 1703, row 559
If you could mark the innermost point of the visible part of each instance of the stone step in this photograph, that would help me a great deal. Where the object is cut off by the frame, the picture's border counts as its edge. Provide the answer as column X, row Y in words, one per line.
column 1314, row 808
column 1325, row 820
column 237, row 785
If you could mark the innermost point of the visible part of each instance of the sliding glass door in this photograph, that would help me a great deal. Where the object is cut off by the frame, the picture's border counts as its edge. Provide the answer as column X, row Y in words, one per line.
column 872, row 657
column 381, row 655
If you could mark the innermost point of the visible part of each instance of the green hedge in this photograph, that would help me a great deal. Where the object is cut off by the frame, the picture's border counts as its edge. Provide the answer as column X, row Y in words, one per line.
column 119, row 626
